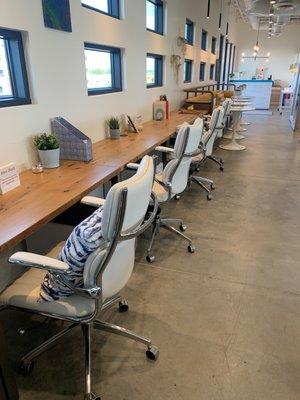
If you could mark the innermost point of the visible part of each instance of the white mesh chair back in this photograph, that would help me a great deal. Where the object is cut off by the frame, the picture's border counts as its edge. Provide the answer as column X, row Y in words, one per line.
column 120, row 265
column 215, row 125
column 176, row 172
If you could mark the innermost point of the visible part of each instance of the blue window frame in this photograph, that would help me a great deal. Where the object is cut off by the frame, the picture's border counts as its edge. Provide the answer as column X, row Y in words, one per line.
column 189, row 32
column 212, row 72
column 154, row 70
column 14, row 88
column 109, row 7
column 187, row 71
column 202, row 71
column 155, row 16
column 213, row 45
column 103, row 69
column 204, row 40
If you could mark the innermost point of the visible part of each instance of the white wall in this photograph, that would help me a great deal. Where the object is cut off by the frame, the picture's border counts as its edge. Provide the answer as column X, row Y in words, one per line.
column 57, row 69
column 283, row 51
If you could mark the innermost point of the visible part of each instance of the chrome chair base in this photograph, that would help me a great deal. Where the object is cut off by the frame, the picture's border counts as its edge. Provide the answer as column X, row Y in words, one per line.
column 92, row 396
column 220, row 162
column 202, row 182
column 152, row 352
column 167, row 223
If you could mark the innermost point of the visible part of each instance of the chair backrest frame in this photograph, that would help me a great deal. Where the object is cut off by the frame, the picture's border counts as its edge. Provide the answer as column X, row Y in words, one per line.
column 168, row 185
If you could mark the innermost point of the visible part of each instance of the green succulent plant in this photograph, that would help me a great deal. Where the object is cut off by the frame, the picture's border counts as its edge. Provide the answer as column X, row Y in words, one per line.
column 46, row 141
column 113, row 123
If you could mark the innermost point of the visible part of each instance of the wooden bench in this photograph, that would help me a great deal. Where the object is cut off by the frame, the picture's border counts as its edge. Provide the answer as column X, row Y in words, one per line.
column 203, row 98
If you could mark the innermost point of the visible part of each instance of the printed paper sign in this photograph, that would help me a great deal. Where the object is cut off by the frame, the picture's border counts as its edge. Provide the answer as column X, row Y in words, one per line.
column 9, row 178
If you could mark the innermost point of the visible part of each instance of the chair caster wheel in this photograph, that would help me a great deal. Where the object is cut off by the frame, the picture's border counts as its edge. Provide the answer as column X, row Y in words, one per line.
column 92, row 396
column 26, row 369
column 21, row 331
column 191, row 248
column 221, row 161
column 209, row 197
column 150, row 259
column 182, row 227
column 123, row 306
column 212, row 186
column 152, row 353
column 177, row 197
column 222, row 168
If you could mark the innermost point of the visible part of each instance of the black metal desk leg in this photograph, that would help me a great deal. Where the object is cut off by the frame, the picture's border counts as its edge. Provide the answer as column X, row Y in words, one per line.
column 8, row 387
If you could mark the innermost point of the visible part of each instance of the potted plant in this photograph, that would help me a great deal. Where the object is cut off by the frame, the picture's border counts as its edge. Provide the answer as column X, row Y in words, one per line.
column 114, row 127
column 48, row 149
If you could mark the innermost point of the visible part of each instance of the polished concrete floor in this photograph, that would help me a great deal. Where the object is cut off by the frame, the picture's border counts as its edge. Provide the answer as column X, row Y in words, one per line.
column 227, row 318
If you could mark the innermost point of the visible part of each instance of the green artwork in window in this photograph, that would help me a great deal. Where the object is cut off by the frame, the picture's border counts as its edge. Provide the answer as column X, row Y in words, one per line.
column 57, row 14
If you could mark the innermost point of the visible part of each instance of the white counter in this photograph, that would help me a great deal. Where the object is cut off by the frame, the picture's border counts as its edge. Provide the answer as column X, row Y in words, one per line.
column 261, row 90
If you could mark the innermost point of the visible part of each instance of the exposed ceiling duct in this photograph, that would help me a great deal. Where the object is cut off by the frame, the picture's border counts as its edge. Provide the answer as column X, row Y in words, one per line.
column 258, row 13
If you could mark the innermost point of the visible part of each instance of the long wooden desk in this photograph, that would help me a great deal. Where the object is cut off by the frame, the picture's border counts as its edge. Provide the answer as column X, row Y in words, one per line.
column 42, row 197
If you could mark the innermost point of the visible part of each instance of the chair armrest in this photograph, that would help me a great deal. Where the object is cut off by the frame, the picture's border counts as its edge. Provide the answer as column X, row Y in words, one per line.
column 164, row 149
column 92, row 201
column 146, row 224
column 37, row 261
column 88, row 293
column 132, row 165
column 202, row 147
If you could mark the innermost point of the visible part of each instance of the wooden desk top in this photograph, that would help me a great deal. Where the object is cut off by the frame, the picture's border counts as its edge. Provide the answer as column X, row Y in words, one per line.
column 42, row 197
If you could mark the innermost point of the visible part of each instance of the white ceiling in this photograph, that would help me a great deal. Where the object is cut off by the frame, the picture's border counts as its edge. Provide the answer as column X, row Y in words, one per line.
column 257, row 12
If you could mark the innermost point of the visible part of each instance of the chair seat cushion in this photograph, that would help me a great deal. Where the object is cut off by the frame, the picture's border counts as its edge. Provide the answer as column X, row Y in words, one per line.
column 84, row 240
column 160, row 192
column 228, row 94
column 198, row 158
column 205, row 98
column 205, row 137
column 25, row 293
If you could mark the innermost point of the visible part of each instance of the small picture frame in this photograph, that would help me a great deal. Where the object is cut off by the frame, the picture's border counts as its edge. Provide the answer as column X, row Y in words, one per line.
column 131, row 124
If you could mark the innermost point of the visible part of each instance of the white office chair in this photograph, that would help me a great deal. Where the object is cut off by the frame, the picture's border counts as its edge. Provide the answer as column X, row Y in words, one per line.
column 173, row 181
column 215, row 129
column 226, row 108
column 106, row 271
column 206, row 146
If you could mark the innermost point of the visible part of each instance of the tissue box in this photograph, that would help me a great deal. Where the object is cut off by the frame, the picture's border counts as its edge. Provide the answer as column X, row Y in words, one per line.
column 74, row 145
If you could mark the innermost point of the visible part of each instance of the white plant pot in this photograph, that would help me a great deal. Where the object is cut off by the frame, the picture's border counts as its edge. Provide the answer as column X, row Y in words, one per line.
column 114, row 133
column 49, row 158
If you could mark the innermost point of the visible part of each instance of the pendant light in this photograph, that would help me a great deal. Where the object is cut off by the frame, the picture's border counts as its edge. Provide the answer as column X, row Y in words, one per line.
column 256, row 47
column 220, row 16
column 208, row 9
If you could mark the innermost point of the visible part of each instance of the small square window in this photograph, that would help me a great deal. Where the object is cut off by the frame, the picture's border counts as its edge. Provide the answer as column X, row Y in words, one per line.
column 187, row 71
column 103, row 69
column 109, row 7
column 155, row 16
column 202, row 71
column 212, row 72
column 204, row 40
column 14, row 89
column 154, row 70
column 189, row 32
column 213, row 45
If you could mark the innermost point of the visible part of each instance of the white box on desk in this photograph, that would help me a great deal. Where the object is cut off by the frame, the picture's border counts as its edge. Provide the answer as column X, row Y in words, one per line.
column 9, row 178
